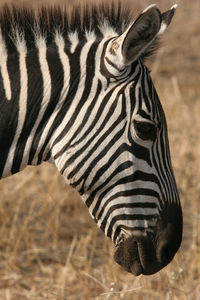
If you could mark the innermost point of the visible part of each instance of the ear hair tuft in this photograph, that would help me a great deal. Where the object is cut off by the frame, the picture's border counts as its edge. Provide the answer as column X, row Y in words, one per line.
column 151, row 50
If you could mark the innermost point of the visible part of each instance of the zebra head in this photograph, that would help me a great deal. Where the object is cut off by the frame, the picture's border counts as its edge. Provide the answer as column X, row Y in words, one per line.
column 118, row 155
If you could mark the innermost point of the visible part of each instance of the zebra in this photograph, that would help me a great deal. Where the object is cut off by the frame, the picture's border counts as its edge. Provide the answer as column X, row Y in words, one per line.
column 75, row 91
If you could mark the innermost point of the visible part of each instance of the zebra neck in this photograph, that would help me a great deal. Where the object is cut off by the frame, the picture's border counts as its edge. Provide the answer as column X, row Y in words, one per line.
column 33, row 87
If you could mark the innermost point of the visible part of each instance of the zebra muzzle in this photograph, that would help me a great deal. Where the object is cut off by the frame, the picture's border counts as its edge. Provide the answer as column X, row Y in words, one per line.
column 140, row 255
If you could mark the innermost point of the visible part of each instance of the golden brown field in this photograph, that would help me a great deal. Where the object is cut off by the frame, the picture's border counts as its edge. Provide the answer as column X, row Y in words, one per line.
column 49, row 246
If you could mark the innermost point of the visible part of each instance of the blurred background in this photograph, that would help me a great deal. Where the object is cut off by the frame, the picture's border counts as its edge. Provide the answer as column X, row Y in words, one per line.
column 49, row 246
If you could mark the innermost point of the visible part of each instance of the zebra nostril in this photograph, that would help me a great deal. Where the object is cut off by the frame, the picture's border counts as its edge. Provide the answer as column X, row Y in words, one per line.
column 165, row 253
column 168, row 242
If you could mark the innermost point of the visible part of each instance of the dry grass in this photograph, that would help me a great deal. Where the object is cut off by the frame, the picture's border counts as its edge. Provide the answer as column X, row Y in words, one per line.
column 49, row 246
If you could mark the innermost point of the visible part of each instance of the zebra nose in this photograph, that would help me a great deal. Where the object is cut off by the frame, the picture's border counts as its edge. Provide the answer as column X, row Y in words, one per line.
column 165, row 253
column 141, row 255
column 167, row 245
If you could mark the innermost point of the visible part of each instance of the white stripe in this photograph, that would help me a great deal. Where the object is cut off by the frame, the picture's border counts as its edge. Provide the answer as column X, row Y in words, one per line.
column 145, row 224
column 3, row 67
column 158, row 156
column 99, row 148
column 132, row 223
column 21, row 47
column 137, row 184
column 125, row 210
column 41, row 45
column 106, row 29
column 76, row 100
column 66, row 79
column 74, row 40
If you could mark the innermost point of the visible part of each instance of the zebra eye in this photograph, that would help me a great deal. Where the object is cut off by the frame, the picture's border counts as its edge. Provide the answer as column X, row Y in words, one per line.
column 145, row 130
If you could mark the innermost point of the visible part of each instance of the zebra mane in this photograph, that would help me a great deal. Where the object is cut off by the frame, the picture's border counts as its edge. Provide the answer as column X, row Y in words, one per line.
column 80, row 17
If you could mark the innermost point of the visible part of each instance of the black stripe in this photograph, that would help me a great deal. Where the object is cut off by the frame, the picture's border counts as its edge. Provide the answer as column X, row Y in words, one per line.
column 89, row 77
column 114, row 66
column 144, row 83
column 137, row 175
column 156, row 164
column 56, row 73
column 139, row 151
column 136, row 228
column 105, row 167
column 93, row 163
column 102, row 138
column 35, row 96
column 113, row 157
column 158, row 152
column 129, row 193
column 74, row 63
column 88, row 113
column 143, row 114
column 123, row 217
column 9, row 109
column 128, row 206
column 167, row 172
column 86, row 91
column 103, row 68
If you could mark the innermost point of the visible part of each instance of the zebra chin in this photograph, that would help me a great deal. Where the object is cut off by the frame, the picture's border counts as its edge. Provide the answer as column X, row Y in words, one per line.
column 150, row 252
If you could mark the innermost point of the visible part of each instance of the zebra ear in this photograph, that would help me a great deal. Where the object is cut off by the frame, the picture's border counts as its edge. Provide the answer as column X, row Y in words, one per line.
column 166, row 18
column 141, row 34
column 140, row 37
